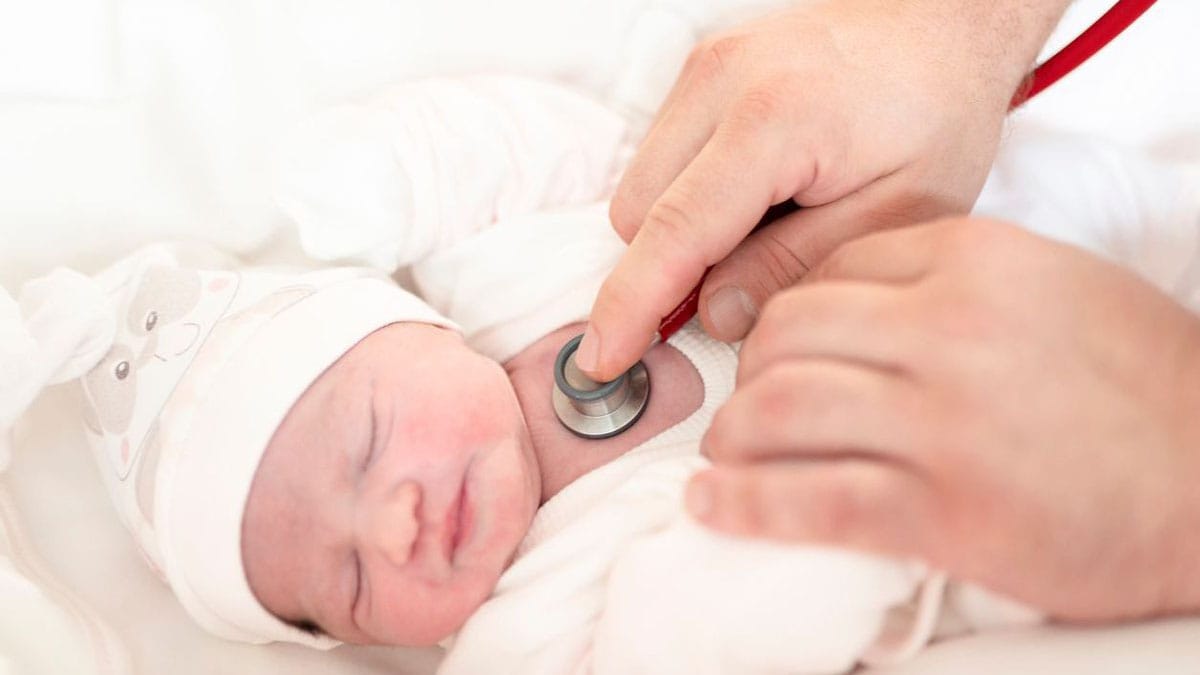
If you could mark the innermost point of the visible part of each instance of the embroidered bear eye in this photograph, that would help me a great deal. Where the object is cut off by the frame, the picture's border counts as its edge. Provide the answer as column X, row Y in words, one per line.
column 151, row 321
column 122, row 370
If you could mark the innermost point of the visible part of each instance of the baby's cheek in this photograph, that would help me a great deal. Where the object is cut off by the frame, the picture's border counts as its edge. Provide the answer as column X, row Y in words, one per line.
column 478, row 403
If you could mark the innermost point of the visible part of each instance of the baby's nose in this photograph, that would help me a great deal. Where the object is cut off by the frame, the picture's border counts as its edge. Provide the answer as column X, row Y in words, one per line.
column 392, row 525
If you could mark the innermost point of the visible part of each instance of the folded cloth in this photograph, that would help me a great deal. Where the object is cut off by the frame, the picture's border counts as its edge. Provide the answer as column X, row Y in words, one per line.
column 420, row 166
column 58, row 327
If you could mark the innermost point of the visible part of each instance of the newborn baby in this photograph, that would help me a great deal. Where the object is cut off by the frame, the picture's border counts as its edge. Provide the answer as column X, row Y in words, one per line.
column 397, row 489
column 319, row 457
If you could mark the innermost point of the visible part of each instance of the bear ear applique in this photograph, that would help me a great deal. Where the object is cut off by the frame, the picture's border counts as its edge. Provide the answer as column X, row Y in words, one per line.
column 165, row 296
column 110, row 391
column 164, row 316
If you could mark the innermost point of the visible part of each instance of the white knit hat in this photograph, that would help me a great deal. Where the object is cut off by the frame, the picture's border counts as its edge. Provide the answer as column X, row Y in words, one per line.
column 204, row 368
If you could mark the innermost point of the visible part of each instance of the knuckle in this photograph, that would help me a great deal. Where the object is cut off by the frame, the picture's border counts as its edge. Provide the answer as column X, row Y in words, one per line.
column 671, row 225
column 718, row 442
column 760, row 107
column 775, row 399
column 743, row 497
column 790, row 390
column 842, row 510
column 622, row 213
column 779, row 265
column 780, row 515
column 711, row 59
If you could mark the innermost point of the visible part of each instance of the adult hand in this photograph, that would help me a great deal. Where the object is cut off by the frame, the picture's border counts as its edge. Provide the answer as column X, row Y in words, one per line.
column 1011, row 410
column 870, row 113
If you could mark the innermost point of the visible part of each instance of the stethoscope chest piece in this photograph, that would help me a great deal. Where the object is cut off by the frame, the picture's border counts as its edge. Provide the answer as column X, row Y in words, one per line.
column 597, row 409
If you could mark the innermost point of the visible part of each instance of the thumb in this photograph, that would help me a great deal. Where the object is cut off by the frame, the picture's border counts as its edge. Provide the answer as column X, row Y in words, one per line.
column 780, row 253
column 770, row 259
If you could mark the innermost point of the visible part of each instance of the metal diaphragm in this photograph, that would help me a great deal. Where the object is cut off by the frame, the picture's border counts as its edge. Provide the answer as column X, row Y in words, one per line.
column 597, row 409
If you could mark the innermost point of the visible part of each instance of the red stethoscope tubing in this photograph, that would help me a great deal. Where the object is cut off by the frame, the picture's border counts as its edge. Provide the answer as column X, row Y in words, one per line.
column 1105, row 30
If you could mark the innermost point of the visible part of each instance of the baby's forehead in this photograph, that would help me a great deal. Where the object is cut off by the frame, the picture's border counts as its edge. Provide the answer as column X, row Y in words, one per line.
column 328, row 405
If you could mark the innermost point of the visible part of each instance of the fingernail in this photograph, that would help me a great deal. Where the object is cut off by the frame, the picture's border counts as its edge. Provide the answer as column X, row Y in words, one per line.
column 700, row 497
column 731, row 312
column 587, row 357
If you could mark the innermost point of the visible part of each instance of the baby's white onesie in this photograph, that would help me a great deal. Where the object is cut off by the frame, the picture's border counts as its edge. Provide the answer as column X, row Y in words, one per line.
column 613, row 577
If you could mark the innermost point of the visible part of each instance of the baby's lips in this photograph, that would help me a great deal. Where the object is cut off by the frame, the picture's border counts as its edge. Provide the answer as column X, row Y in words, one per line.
column 455, row 525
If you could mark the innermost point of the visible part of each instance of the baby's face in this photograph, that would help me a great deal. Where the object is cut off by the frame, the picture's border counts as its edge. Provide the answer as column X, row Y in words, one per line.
column 394, row 493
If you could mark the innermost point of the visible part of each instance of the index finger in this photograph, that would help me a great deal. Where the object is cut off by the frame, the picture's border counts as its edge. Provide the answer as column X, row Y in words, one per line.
column 709, row 208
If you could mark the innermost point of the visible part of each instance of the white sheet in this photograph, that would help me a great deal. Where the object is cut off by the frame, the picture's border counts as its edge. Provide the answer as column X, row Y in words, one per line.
column 174, row 140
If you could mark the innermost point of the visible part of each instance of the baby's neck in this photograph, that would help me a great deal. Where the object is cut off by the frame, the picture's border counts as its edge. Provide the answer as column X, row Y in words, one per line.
column 676, row 392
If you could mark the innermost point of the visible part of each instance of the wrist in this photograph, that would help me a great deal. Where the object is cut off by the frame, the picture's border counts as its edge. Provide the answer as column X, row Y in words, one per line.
column 999, row 40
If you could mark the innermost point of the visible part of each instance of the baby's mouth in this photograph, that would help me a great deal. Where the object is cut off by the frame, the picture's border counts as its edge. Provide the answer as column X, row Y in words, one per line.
column 460, row 520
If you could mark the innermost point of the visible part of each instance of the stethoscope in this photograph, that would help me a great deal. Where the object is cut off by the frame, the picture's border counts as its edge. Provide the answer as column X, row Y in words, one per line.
column 603, row 409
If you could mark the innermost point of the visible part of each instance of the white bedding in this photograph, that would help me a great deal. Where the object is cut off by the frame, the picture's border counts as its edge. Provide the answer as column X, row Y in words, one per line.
column 136, row 120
